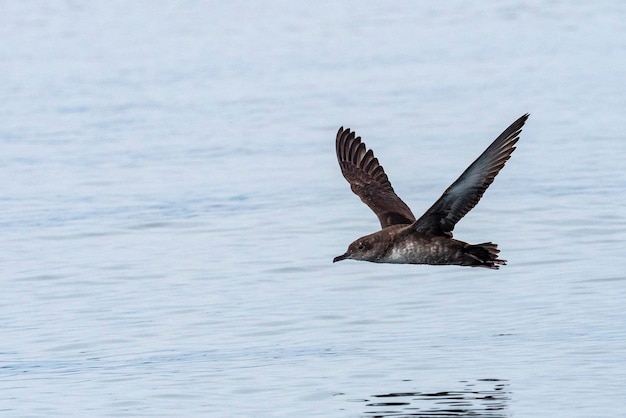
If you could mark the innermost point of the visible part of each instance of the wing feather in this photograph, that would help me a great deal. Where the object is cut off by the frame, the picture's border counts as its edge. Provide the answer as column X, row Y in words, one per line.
column 368, row 180
column 466, row 191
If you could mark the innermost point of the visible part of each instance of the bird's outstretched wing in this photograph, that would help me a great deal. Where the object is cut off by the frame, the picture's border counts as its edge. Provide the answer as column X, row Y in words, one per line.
column 466, row 191
column 368, row 180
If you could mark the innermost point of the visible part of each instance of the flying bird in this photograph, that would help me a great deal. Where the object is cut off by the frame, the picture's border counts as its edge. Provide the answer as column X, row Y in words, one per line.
column 427, row 240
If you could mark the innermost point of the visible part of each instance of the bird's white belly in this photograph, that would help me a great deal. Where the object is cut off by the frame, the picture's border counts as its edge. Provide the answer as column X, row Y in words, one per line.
column 414, row 252
column 404, row 254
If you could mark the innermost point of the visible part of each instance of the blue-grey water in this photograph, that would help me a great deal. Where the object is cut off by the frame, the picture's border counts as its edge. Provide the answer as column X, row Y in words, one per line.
column 171, row 203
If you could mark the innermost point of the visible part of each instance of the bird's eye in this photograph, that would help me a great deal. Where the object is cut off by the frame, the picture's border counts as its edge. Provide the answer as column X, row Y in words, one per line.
column 360, row 246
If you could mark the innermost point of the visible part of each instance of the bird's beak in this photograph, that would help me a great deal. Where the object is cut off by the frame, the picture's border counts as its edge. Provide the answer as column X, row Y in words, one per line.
column 340, row 257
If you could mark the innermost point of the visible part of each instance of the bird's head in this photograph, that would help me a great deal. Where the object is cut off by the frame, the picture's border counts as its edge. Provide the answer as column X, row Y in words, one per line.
column 367, row 248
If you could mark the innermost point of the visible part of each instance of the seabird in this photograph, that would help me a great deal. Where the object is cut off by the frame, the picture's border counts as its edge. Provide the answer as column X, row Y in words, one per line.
column 427, row 240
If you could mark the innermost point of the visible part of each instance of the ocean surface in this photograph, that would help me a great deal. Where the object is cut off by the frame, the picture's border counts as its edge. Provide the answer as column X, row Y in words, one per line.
column 170, row 204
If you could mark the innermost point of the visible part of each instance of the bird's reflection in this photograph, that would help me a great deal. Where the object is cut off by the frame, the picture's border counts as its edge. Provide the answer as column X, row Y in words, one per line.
column 478, row 398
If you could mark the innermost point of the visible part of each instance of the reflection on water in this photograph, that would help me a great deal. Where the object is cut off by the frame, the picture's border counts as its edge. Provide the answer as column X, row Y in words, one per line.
column 483, row 397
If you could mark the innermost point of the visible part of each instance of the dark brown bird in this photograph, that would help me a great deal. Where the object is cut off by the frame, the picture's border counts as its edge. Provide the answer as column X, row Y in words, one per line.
column 427, row 240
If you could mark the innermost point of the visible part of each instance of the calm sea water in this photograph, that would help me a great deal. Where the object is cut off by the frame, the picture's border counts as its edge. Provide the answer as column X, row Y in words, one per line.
column 171, row 204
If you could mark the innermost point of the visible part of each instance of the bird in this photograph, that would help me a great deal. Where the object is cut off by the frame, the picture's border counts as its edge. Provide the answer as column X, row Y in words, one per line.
column 403, row 239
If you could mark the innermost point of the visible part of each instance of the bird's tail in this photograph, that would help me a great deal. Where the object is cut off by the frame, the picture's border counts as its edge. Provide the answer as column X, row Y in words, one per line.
column 485, row 255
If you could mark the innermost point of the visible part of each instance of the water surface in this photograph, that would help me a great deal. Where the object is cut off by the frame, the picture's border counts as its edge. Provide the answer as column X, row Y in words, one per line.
column 171, row 204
